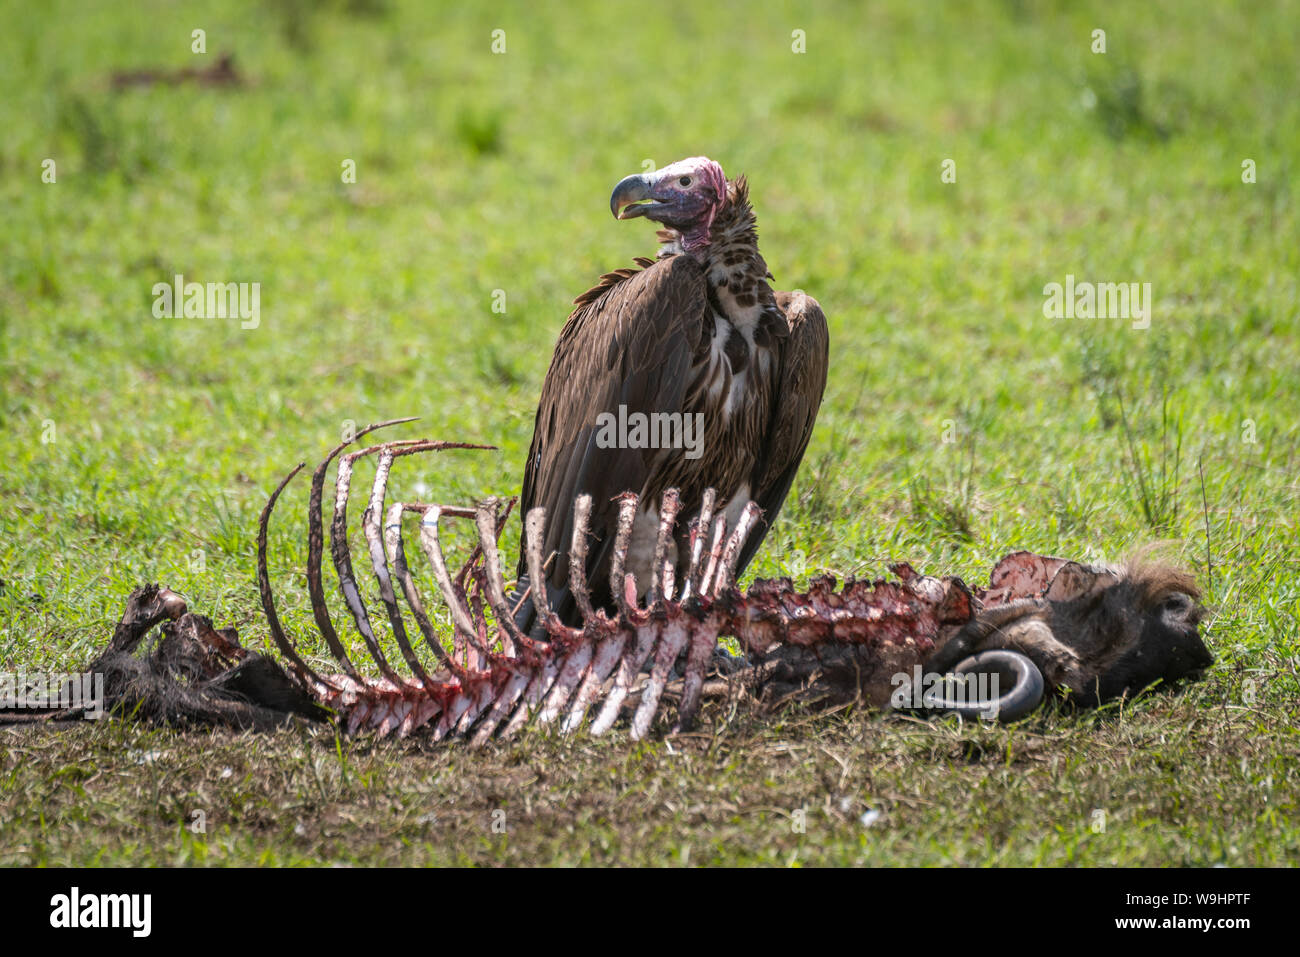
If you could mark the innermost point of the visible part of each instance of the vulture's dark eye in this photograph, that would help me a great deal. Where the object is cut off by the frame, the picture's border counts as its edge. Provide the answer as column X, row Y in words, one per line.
column 685, row 181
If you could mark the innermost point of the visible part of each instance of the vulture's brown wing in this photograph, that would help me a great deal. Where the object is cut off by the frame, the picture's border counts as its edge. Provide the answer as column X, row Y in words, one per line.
column 631, row 342
column 798, row 394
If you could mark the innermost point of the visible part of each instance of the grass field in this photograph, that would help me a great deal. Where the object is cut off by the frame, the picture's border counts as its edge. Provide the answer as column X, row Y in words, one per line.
column 959, row 421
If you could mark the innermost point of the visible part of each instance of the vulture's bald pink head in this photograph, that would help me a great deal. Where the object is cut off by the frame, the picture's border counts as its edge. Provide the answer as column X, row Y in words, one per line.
column 685, row 196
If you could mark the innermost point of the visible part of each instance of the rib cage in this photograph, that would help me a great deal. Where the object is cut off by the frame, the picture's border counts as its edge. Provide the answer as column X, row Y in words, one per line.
column 496, row 679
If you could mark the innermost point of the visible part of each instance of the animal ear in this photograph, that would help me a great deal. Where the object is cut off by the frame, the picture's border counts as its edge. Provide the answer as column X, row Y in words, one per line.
column 1076, row 582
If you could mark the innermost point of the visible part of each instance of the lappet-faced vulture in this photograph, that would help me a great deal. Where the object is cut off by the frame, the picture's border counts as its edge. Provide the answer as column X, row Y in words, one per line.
column 688, row 372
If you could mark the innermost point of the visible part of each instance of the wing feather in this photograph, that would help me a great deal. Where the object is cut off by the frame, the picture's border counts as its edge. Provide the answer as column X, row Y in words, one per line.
column 631, row 341
column 805, row 357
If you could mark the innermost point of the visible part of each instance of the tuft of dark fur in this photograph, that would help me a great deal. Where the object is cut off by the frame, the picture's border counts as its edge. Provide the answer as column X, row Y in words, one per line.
column 194, row 675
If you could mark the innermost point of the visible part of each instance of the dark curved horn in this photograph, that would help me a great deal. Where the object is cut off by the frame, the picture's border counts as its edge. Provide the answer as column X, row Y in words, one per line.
column 1021, row 677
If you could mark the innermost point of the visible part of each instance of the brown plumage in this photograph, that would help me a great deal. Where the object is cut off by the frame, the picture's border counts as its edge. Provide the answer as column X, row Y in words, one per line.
column 699, row 332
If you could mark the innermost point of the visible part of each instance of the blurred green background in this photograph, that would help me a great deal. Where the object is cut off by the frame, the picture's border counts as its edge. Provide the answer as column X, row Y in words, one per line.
column 959, row 423
column 480, row 172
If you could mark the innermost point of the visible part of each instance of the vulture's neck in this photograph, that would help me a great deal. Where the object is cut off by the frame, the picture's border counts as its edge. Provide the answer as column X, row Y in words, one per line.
column 737, row 274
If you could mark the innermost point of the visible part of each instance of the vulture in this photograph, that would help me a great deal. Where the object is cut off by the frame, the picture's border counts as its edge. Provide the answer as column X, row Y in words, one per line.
column 697, row 333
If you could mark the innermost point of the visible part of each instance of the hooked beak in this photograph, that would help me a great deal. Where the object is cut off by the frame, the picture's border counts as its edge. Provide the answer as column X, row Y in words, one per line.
column 628, row 198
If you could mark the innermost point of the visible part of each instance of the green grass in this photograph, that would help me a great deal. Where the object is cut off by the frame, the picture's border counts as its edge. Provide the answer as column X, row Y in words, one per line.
column 959, row 423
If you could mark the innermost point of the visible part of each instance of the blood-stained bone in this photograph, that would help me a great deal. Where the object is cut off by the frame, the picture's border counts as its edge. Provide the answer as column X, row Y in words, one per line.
column 498, row 679
column 629, row 658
